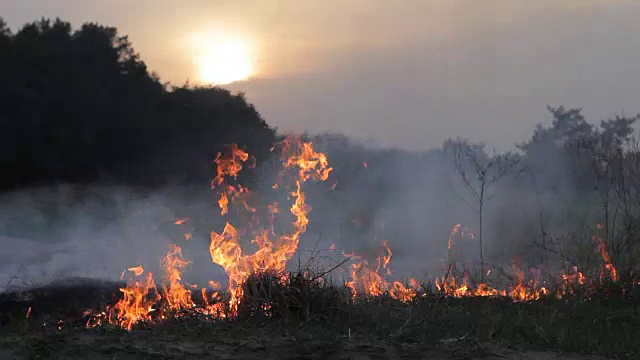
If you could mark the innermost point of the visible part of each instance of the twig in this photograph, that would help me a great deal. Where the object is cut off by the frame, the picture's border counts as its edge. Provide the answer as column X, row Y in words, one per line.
column 332, row 269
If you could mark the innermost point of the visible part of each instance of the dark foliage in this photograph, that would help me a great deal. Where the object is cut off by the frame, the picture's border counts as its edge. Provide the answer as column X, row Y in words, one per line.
column 80, row 106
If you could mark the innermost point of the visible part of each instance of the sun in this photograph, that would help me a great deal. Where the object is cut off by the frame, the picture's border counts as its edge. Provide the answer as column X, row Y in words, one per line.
column 223, row 59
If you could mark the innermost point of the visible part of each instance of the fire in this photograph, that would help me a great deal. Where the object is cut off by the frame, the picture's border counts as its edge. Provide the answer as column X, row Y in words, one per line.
column 457, row 232
column 176, row 296
column 258, row 248
column 270, row 254
column 570, row 282
column 449, row 285
column 522, row 291
column 137, row 271
column 311, row 164
column 608, row 265
column 229, row 167
column 138, row 301
column 367, row 279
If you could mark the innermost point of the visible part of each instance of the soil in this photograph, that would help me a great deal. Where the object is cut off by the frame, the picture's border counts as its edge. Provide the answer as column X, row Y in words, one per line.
column 89, row 344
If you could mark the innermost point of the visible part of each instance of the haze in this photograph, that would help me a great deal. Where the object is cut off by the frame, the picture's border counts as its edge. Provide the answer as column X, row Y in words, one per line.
column 407, row 76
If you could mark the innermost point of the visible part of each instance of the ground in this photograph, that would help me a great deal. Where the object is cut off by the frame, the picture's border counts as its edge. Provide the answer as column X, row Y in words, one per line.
column 147, row 345
column 602, row 327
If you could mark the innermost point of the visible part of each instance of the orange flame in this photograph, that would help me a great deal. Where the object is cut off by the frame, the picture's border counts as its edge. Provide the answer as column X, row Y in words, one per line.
column 366, row 280
column 271, row 255
column 176, row 296
column 272, row 251
column 608, row 265
column 137, row 271
column 136, row 305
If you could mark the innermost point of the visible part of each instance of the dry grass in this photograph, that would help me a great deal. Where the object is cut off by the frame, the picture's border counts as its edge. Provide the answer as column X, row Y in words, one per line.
column 308, row 317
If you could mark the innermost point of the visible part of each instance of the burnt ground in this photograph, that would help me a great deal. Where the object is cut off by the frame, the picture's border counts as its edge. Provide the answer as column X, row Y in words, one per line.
column 77, row 344
column 431, row 328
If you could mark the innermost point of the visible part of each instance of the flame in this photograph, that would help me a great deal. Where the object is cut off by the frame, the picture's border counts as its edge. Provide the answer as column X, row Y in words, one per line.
column 570, row 282
column 449, row 285
column 608, row 265
column 367, row 280
column 265, row 250
column 271, row 254
column 458, row 232
column 454, row 231
column 176, row 296
column 522, row 291
column 229, row 167
column 138, row 300
column 137, row 271
column 311, row 164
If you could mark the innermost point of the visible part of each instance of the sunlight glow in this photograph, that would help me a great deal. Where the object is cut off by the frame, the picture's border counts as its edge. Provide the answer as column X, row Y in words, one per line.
column 222, row 59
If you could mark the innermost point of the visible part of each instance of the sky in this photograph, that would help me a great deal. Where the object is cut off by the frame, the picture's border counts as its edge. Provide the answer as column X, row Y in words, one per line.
column 406, row 74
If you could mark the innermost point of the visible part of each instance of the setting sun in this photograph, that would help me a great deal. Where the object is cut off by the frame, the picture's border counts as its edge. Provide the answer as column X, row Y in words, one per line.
column 222, row 60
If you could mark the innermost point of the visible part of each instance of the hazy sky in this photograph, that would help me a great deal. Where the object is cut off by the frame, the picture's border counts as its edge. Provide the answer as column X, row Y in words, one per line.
column 406, row 73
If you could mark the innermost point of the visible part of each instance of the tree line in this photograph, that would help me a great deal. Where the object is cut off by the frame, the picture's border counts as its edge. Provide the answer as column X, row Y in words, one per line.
column 81, row 106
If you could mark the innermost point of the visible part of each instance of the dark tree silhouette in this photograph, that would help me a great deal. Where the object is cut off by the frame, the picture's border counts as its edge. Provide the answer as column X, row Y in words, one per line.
column 81, row 106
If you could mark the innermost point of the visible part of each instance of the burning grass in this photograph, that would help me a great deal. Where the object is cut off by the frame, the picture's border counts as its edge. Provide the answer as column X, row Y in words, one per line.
column 572, row 312
column 308, row 309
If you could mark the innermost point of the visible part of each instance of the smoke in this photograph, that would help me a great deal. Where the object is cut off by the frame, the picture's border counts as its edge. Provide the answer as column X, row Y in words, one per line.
column 402, row 197
column 51, row 233
column 411, row 200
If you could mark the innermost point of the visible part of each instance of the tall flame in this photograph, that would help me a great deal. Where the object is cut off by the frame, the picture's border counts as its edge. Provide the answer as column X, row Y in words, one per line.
column 270, row 251
column 176, row 296
column 608, row 265
column 270, row 254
